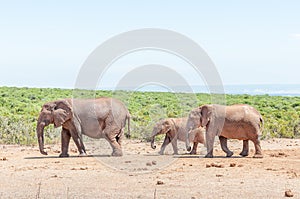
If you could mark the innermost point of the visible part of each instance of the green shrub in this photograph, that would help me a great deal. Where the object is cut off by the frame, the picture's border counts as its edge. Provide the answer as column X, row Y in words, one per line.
column 19, row 109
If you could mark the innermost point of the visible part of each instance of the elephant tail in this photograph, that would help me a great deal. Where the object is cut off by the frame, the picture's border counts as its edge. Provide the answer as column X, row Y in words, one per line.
column 261, row 124
column 128, row 124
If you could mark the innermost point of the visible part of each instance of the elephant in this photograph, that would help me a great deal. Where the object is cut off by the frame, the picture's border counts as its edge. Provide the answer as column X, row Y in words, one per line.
column 174, row 128
column 239, row 121
column 97, row 118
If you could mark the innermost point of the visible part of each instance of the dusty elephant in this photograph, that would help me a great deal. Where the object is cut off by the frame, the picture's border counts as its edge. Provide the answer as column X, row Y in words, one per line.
column 174, row 128
column 96, row 118
column 241, row 122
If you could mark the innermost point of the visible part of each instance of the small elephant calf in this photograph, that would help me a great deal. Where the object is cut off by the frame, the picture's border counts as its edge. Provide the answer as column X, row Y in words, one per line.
column 175, row 129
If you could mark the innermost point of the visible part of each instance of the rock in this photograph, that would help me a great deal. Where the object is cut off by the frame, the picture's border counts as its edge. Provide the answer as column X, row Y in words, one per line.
column 159, row 182
column 279, row 154
column 232, row 164
column 180, row 169
column 148, row 164
column 215, row 165
column 74, row 150
column 219, row 165
column 288, row 193
column 56, row 151
column 154, row 162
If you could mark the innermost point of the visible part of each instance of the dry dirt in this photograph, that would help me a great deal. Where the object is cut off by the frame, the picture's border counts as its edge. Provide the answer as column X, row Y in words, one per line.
column 142, row 173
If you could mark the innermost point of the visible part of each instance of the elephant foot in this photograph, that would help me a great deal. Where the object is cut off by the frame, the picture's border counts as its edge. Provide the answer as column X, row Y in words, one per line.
column 63, row 155
column 258, row 156
column 229, row 154
column 117, row 153
column 208, row 156
column 243, row 154
column 160, row 153
column 175, row 153
column 193, row 152
column 82, row 155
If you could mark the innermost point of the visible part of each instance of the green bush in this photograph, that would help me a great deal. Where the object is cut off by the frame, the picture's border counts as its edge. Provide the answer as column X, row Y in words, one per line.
column 19, row 109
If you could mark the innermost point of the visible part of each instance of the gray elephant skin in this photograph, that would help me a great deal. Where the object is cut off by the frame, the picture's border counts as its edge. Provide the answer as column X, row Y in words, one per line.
column 175, row 129
column 97, row 118
column 240, row 121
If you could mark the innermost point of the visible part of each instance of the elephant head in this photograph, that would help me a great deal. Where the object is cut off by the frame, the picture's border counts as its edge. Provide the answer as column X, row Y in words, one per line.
column 162, row 127
column 57, row 113
column 193, row 122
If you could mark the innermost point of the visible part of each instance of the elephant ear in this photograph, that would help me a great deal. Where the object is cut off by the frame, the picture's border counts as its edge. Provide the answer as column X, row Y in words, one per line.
column 205, row 115
column 166, row 125
column 62, row 112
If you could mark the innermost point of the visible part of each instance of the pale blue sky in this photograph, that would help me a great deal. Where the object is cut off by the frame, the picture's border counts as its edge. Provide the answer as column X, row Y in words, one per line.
column 44, row 43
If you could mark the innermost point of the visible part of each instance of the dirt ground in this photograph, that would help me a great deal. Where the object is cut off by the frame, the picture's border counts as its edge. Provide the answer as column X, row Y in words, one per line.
column 142, row 173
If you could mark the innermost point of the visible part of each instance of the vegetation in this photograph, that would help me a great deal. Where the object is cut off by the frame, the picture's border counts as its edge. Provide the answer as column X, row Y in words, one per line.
column 19, row 109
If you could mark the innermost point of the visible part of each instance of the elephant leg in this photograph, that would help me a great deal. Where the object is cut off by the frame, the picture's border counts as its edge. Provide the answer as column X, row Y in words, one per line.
column 194, row 150
column 65, row 140
column 258, row 152
column 165, row 143
column 174, row 145
column 78, row 141
column 223, row 142
column 112, row 139
column 210, row 138
column 245, row 150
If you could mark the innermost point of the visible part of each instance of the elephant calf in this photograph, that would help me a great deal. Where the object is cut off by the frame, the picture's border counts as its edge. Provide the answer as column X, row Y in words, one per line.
column 241, row 122
column 175, row 129
column 96, row 118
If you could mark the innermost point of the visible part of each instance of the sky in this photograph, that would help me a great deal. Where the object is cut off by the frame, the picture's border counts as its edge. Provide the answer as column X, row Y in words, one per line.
column 45, row 43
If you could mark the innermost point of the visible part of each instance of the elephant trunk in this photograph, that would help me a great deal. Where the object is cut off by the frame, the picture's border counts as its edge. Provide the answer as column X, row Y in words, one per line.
column 152, row 142
column 190, row 125
column 187, row 143
column 40, row 135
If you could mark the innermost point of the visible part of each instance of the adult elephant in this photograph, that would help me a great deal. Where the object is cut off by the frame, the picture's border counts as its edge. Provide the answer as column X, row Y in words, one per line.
column 241, row 122
column 96, row 118
column 174, row 129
